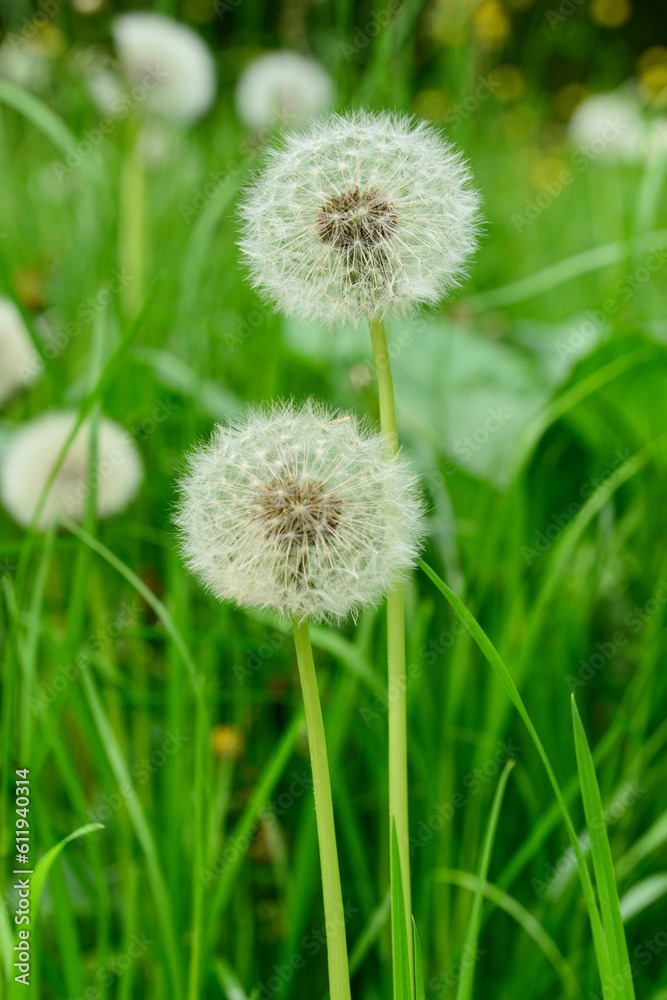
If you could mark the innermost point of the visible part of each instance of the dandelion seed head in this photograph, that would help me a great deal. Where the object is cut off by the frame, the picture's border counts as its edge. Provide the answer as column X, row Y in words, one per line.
column 282, row 88
column 32, row 454
column 610, row 126
column 297, row 510
column 169, row 61
column 20, row 363
column 359, row 215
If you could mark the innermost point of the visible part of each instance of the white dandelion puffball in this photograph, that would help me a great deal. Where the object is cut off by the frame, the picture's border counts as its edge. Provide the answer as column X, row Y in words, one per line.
column 298, row 510
column 359, row 215
column 167, row 61
column 610, row 126
column 33, row 451
column 282, row 88
column 20, row 363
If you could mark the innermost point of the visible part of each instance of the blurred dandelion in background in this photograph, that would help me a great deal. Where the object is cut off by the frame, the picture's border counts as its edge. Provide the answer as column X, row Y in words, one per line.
column 164, row 68
column 33, row 451
column 282, row 88
column 19, row 360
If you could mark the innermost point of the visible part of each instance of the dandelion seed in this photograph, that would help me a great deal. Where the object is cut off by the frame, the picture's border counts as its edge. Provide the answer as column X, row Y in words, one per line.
column 169, row 61
column 32, row 453
column 282, row 88
column 359, row 215
column 20, row 363
column 299, row 511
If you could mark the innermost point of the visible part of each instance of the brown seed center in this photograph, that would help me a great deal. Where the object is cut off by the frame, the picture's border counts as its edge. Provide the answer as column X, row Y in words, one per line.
column 356, row 220
column 297, row 513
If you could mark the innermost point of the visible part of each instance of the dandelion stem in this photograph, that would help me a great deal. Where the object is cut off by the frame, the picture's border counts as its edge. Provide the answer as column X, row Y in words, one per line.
column 132, row 223
column 339, row 975
column 396, row 676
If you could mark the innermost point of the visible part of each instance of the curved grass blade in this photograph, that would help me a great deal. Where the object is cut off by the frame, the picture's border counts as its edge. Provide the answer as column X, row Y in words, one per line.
column 163, row 909
column 464, row 990
column 494, row 659
column 46, row 120
column 420, row 988
column 566, row 270
column 38, row 880
column 523, row 917
column 603, row 863
column 241, row 836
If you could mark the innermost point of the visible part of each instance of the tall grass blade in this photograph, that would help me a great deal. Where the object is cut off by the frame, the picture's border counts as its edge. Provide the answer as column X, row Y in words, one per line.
column 603, row 864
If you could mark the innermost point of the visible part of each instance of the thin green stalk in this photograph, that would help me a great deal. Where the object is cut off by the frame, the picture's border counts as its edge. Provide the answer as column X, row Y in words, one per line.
column 339, row 974
column 396, row 676
column 132, row 223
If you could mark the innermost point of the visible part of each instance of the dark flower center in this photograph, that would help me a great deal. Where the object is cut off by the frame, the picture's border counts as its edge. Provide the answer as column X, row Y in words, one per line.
column 356, row 220
column 297, row 513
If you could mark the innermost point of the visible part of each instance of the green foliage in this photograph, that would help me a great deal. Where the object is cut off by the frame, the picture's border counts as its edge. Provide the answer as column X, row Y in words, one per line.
column 534, row 406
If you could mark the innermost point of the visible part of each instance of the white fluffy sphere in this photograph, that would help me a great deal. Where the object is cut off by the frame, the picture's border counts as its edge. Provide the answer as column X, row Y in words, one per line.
column 300, row 511
column 610, row 126
column 282, row 88
column 359, row 215
column 33, row 451
column 170, row 61
column 20, row 363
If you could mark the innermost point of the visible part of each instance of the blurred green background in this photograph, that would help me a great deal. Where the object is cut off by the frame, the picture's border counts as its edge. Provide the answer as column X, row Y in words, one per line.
column 534, row 404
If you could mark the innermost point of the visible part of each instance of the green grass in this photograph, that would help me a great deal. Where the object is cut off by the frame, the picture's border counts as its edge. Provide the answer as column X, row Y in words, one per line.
column 550, row 533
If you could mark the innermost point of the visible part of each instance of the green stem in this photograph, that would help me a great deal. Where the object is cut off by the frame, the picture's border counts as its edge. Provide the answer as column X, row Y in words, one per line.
column 396, row 675
column 339, row 975
column 132, row 224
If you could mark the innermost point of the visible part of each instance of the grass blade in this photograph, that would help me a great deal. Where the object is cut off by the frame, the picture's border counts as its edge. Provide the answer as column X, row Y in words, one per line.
column 495, row 661
column 464, row 991
column 38, row 881
column 523, row 917
column 420, row 988
column 399, row 932
column 602, row 861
